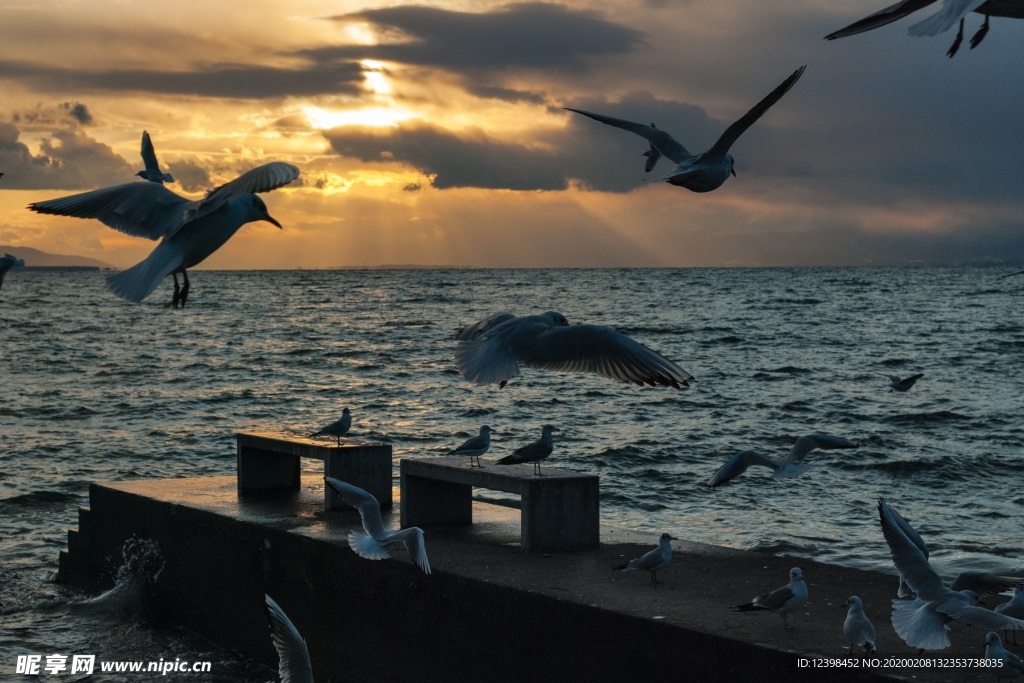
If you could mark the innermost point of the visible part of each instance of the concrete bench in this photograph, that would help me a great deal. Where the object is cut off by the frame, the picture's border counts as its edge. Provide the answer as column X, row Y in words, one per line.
column 271, row 461
column 559, row 511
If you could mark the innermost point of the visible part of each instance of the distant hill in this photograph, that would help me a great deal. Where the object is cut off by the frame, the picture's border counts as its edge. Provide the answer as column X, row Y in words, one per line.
column 40, row 259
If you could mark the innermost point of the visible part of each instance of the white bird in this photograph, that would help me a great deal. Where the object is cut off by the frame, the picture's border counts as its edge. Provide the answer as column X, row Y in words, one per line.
column 952, row 11
column 534, row 452
column 901, row 385
column 921, row 622
column 1010, row 665
column 293, row 655
column 790, row 467
column 152, row 172
column 653, row 560
column 339, row 427
column 371, row 545
column 781, row 601
column 8, row 263
column 475, row 446
column 493, row 353
column 858, row 628
column 1014, row 607
column 189, row 230
column 697, row 172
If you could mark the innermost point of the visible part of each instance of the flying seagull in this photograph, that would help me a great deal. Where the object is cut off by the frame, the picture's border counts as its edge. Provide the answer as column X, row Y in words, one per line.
column 790, row 467
column 921, row 622
column 858, row 628
column 952, row 11
column 901, row 385
column 371, row 545
column 653, row 560
column 534, row 452
column 339, row 427
column 492, row 353
column 293, row 656
column 475, row 447
column 8, row 263
column 697, row 172
column 781, row 601
column 188, row 231
column 152, row 172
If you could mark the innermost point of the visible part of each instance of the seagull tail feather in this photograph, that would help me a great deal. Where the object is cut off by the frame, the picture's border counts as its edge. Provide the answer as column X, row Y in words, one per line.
column 139, row 281
column 367, row 546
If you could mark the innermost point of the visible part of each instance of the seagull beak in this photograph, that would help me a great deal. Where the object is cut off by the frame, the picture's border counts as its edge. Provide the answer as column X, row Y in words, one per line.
column 733, row 171
column 270, row 219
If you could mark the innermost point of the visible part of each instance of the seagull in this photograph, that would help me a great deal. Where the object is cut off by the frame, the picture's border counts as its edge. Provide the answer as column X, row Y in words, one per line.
column 790, row 467
column 1010, row 665
column 1015, row 607
column 152, row 173
column 653, row 560
column 857, row 628
column 952, row 11
column 983, row 584
column 697, row 172
column 188, row 231
column 534, row 452
column 901, row 385
column 493, row 353
column 475, row 447
column 7, row 263
column 339, row 427
column 921, row 622
column 782, row 601
column 294, row 665
column 371, row 545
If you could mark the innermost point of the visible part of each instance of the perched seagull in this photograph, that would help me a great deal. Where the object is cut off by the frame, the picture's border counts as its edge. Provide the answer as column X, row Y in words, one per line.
column 339, row 427
column 534, row 452
column 7, row 263
column 981, row 583
column 857, row 628
column 1010, row 665
column 790, row 467
column 901, row 385
column 371, row 545
column 653, row 560
column 294, row 665
column 475, row 447
column 189, row 230
column 152, row 172
column 952, row 11
column 697, row 172
column 1015, row 607
column 493, row 352
column 921, row 622
column 782, row 601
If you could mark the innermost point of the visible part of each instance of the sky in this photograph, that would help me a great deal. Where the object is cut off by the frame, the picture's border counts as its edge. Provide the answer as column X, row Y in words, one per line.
column 435, row 134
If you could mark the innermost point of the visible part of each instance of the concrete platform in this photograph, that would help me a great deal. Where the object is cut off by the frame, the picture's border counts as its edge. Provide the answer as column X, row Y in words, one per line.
column 488, row 611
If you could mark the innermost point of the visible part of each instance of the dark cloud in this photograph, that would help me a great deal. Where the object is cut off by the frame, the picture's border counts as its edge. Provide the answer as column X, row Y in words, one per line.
column 519, row 36
column 234, row 81
column 190, row 176
column 79, row 112
column 69, row 160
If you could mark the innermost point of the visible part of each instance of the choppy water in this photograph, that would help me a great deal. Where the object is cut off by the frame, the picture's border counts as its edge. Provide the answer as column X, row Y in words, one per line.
column 95, row 388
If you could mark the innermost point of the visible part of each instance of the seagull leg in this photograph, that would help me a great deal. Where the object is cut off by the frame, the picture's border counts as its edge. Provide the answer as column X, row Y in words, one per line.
column 980, row 35
column 184, row 288
column 956, row 41
column 177, row 291
column 502, row 383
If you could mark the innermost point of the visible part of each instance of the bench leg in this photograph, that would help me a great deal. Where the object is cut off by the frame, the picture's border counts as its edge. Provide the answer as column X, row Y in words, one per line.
column 263, row 470
column 561, row 517
column 429, row 501
column 368, row 467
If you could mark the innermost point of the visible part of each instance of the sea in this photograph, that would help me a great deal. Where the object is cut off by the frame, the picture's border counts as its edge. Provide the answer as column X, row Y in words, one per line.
column 94, row 388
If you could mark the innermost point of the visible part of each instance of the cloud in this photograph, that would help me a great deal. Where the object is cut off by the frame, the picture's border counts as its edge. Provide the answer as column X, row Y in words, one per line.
column 79, row 112
column 69, row 160
column 231, row 81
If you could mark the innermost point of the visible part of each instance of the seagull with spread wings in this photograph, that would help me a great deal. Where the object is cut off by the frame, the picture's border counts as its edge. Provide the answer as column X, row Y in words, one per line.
column 790, row 467
column 152, row 172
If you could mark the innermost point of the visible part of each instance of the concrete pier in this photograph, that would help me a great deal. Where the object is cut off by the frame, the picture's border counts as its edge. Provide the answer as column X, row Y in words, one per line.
column 488, row 612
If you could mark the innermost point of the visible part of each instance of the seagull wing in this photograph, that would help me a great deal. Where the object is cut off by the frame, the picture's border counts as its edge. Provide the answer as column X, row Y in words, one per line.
column 985, row 583
column 260, row 179
column 149, row 154
column 484, row 327
column 140, row 209
column 738, row 464
column 733, row 132
column 294, row 666
column 477, row 443
column 973, row 615
column 911, row 563
column 365, row 503
column 412, row 538
column 602, row 351
column 777, row 599
column 881, row 18
column 806, row 444
column 661, row 141
column 952, row 11
column 538, row 450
